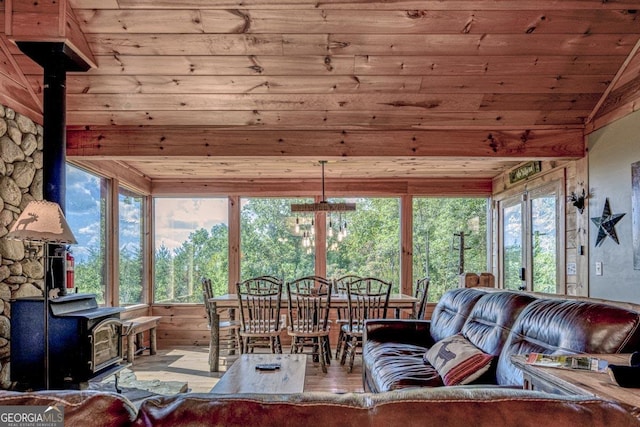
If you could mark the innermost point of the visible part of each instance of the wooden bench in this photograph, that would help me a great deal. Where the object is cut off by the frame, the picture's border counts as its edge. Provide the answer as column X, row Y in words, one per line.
column 134, row 330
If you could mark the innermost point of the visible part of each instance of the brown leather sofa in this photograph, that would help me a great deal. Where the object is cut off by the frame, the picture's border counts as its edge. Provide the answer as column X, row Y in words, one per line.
column 500, row 324
column 442, row 407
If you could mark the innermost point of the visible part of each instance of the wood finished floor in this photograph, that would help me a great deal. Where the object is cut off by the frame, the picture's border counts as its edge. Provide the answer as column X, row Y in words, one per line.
column 190, row 365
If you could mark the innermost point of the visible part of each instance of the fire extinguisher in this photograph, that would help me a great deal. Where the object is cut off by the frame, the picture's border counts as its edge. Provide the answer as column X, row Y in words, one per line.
column 70, row 274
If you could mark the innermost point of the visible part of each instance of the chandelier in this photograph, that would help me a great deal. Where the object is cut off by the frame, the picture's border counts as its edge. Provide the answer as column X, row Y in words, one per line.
column 323, row 205
column 308, row 236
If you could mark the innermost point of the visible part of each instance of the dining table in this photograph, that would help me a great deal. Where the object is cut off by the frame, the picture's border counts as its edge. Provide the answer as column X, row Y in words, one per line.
column 397, row 302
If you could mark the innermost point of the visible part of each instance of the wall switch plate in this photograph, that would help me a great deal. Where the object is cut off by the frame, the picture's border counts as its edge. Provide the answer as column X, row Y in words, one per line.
column 598, row 268
column 571, row 269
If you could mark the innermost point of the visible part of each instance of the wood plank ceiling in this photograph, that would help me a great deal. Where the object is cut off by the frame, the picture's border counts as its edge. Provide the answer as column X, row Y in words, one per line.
column 247, row 89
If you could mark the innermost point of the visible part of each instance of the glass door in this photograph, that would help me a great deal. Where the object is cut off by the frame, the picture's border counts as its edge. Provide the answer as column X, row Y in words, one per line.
column 544, row 239
column 513, row 259
column 530, row 245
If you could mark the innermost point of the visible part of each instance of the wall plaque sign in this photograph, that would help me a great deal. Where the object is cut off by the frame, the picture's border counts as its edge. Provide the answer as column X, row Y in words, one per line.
column 524, row 171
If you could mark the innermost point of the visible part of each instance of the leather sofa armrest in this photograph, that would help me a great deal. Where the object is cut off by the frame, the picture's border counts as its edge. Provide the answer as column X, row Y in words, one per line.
column 397, row 330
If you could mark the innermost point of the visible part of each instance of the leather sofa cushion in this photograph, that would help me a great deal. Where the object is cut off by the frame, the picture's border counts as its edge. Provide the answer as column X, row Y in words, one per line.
column 391, row 348
column 442, row 407
column 452, row 311
column 393, row 366
column 491, row 319
column 407, row 331
column 550, row 326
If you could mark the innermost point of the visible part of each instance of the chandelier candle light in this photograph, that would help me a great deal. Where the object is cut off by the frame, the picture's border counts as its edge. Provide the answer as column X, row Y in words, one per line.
column 322, row 206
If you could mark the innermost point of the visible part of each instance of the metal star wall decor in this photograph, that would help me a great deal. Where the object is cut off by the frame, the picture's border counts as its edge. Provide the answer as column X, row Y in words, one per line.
column 606, row 224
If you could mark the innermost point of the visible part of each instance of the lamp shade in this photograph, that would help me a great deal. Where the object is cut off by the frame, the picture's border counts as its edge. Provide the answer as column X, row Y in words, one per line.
column 42, row 221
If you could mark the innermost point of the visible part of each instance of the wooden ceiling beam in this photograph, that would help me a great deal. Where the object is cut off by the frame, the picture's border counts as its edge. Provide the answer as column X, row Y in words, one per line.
column 609, row 103
column 292, row 84
column 189, row 142
column 359, row 4
column 333, row 187
column 450, row 102
column 361, row 44
column 364, row 20
column 362, row 168
column 337, row 120
column 347, row 65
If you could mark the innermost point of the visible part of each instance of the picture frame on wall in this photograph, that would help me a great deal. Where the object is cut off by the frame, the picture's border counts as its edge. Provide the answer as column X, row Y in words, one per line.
column 635, row 213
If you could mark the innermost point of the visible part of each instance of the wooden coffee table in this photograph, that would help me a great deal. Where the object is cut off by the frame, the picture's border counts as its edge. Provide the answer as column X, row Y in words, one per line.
column 243, row 377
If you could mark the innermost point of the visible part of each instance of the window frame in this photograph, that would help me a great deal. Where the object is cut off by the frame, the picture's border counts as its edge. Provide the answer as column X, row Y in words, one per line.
column 359, row 200
column 152, row 245
column 486, row 239
column 107, row 272
column 144, row 248
column 234, row 193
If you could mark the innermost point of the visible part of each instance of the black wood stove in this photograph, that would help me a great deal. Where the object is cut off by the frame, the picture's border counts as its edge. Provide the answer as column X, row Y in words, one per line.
column 85, row 341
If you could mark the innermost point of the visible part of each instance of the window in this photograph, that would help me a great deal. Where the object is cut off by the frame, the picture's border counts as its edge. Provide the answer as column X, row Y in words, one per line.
column 269, row 243
column 191, row 241
column 131, row 244
column 513, row 247
column 530, row 244
column 85, row 211
column 439, row 227
column 372, row 244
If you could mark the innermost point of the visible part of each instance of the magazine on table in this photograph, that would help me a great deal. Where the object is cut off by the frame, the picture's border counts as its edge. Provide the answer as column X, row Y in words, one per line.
column 585, row 363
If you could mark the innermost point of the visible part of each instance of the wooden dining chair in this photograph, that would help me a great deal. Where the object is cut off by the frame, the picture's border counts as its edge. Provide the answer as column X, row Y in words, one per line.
column 367, row 298
column 268, row 277
column 340, row 288
column 321, row 278
column 259, row 305
column 422, row 294
column 229, row 330
column 309, row 303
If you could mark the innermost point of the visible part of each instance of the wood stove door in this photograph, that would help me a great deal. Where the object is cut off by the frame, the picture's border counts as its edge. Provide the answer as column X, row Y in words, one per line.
column 105, row 339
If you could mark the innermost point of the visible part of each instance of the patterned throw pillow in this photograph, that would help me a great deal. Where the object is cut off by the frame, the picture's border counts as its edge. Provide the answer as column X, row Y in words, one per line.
column 457, row 360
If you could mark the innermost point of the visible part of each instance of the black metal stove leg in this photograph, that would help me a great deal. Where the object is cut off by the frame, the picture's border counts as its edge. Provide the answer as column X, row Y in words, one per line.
column 117, row 377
